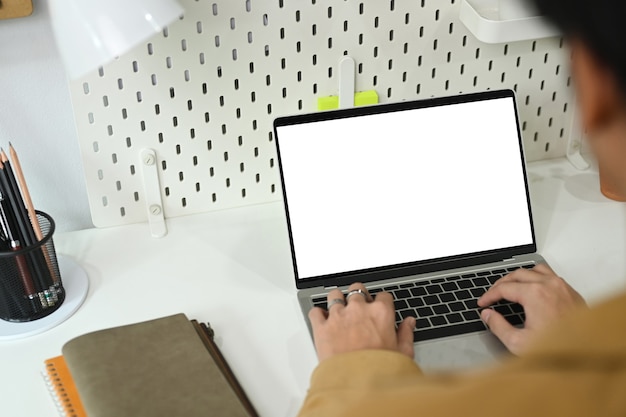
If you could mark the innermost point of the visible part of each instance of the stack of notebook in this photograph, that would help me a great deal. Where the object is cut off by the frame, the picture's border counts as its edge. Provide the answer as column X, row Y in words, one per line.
column 164, row 367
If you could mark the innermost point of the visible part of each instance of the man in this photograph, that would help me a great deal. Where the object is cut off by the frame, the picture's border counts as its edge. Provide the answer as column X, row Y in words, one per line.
column 571, row 360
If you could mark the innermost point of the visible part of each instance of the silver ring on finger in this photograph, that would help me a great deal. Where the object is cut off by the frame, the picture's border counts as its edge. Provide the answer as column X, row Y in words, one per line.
column 335, row 301
column 357, row 291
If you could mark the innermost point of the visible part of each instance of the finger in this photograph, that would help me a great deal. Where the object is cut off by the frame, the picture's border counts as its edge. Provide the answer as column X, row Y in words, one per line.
column 335, row 294
column 385, row 308
column 537, row 273
column 336, row 303
column 317, row 317
column 501, row 328
column 385, row 312
column 544, row 269
column 511, row 291
column 405, row 336
column 361, row 297
column 361, row 286
column 384, row 297
column 521, row 275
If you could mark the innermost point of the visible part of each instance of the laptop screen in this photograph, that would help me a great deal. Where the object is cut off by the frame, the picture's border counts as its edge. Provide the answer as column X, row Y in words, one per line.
column 401, row 184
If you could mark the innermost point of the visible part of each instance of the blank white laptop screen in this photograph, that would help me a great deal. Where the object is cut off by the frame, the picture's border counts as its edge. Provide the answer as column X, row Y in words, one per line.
column 405, row 186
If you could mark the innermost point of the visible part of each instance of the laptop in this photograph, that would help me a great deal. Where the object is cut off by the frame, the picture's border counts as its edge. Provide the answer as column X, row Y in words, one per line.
column 425, row 199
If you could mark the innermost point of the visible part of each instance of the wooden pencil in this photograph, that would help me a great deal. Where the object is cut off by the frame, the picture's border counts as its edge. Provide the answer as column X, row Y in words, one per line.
column 25, row 193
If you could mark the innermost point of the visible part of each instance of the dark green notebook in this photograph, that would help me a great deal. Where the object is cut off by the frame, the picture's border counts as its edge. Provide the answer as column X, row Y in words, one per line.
column 164, row 367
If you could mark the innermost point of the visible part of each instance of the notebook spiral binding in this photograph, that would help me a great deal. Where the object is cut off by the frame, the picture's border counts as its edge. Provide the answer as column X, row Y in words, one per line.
column 61, row 387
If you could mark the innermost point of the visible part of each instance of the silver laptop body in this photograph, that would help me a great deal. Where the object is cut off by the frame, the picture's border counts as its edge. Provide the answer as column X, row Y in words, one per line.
column 417, row 194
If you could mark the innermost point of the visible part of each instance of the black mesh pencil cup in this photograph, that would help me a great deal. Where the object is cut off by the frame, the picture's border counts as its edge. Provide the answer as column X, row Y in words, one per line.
column 30, row 281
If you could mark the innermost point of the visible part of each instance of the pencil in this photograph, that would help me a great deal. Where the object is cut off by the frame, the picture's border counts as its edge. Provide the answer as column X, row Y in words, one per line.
column 30, row 208
column 25, row 193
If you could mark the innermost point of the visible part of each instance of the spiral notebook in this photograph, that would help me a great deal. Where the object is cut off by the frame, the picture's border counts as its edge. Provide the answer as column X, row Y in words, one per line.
column 164, row 367
column 62, row 388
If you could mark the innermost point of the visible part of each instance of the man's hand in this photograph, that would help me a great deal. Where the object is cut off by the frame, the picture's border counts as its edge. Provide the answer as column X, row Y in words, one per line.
column 362, row 323
column 544, row 296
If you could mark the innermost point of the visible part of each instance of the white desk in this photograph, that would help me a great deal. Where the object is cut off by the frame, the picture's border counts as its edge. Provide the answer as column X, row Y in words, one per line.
column 233, row 269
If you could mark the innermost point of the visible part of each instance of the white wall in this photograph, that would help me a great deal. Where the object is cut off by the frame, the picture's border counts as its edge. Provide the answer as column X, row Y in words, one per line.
column 36, row 116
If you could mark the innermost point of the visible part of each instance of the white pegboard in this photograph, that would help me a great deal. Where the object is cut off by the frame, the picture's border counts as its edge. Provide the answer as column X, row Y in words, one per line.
column 203, row 94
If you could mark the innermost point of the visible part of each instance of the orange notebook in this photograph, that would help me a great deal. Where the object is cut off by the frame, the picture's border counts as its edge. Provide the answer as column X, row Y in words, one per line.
column 62, row 388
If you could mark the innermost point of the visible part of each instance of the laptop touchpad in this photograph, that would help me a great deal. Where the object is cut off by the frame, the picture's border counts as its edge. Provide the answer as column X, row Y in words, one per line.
column 464, row 352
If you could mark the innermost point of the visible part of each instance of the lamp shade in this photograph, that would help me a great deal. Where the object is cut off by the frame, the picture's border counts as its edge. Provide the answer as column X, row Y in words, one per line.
column 90, row 33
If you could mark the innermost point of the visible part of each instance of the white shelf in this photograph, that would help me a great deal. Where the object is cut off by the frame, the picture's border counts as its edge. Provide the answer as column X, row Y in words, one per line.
column 489, row 24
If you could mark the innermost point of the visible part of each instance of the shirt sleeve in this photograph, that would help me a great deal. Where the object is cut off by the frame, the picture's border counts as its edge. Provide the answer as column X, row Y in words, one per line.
column 366, row 368
column 578, row 370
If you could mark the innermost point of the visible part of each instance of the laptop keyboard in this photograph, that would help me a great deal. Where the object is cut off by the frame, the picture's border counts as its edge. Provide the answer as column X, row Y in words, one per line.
column 447, row 306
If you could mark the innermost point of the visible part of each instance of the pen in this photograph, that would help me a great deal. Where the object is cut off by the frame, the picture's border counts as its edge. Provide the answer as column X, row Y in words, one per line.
column 4, row 232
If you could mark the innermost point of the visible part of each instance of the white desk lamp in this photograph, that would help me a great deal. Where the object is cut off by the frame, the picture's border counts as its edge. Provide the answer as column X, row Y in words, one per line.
column 90, row 33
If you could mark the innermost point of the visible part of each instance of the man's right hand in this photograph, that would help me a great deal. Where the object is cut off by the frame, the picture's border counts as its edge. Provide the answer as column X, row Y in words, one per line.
column 544, row 296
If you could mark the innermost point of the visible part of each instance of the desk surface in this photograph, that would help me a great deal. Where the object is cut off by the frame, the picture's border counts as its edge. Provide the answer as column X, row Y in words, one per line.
column 233, row 269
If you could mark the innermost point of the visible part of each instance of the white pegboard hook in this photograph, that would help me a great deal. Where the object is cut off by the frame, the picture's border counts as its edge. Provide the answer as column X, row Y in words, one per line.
column 152, row 189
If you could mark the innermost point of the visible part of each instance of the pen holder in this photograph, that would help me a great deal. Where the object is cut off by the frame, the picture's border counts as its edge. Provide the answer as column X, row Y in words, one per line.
column 30, row 281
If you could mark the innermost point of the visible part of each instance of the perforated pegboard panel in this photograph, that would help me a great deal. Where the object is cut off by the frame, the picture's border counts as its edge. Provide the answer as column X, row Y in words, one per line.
column 203, row 93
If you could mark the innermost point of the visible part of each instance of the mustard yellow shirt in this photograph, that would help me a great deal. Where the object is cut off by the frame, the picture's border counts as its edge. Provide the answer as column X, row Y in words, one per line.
column 578, row 368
